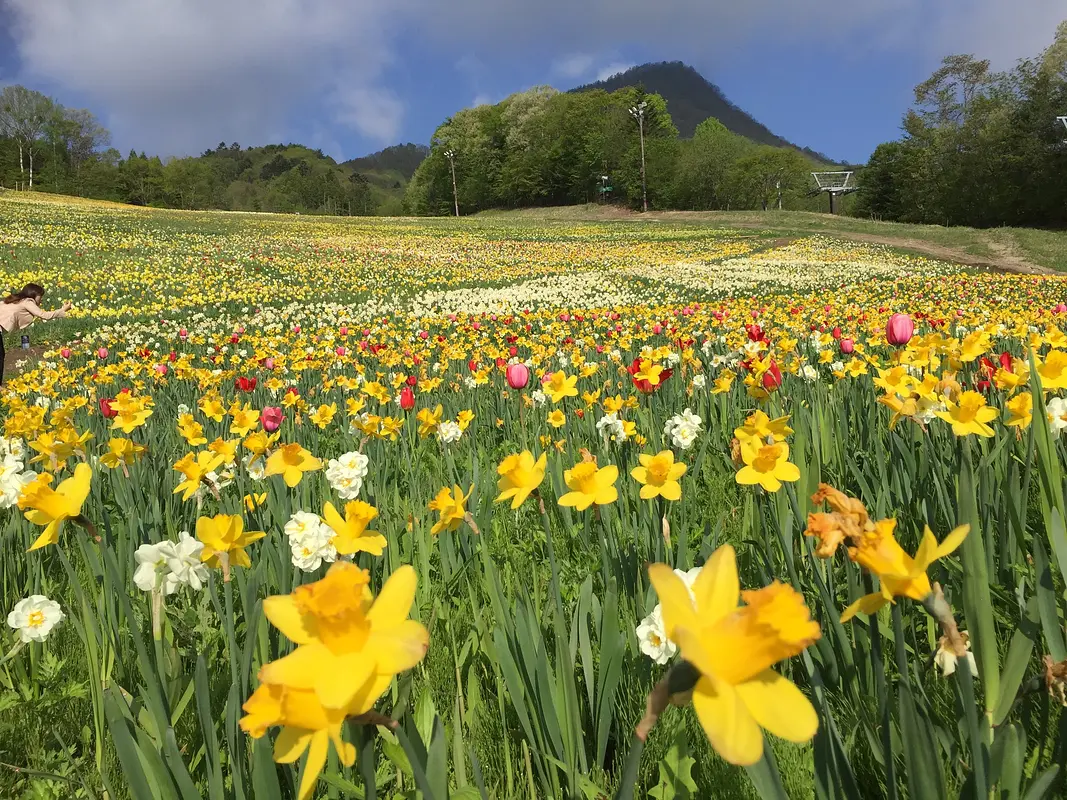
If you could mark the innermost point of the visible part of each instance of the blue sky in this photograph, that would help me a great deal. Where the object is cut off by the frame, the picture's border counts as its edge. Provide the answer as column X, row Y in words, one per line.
column 175, row 77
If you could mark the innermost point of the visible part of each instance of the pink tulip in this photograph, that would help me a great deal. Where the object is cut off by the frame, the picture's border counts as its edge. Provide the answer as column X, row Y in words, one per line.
column 899, row 330
column 271, row 417
column 518, row 376
column 340, row 351
column 476, row 325
column 101, row 353
column 424, row 334
column 184, row 334
column 65, row 352
column 296, row 329
column 344, row 331
column 268, row 363
column 1061, row 308
column 847, row 346
column 161, row 369
column 657, row 329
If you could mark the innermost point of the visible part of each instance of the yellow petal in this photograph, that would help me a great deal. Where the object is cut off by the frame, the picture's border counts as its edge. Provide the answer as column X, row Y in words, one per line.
column 393, row 603
column 671, row 490
column 398, row 647
column 316, row 760
column 952, row 541
column 281, row 610
column 730, row 727
column 779, row 706
column 50, row 535
column 301, row 669
column 675, row 602
column 717, row 589
column 291, row 744
column 927, row 551
column 868, row 604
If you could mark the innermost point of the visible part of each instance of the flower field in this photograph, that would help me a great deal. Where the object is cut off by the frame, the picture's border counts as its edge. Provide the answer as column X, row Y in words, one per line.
column 302, row 507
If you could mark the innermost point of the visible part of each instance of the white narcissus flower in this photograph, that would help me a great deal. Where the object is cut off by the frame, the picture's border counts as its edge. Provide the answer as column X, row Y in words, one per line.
column 946, row 660
column 1057, row 414
column 346, row 473
column 700, row 381
column 809, row 373
column 34, row 617
column 152, row 570
column 185, row 565
column 538, row 397
column 652, row 638
column 448, row 432
column 12, row 480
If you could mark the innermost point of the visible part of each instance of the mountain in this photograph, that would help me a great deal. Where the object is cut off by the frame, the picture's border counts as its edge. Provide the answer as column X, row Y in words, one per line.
column 691, row 99
column 403, row 159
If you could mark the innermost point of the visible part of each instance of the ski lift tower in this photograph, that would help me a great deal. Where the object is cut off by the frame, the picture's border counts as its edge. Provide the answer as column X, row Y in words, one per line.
column 834, row 184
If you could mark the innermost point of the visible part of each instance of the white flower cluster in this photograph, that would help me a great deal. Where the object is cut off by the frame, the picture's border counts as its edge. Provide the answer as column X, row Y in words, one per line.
column 167, row 566
column 683, row 429
column 700, row 380
column 34, row 617
column 1057, row 415
column 652, row 636
column 611, row 428
column 809, row 373
column 310, row 541
column 449, row 432
column 13, row 475
column 346, row 473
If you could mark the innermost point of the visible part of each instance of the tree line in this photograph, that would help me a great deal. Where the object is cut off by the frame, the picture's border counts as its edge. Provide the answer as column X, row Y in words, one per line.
column 980, row 148
column 45, row 146
column 542, row 147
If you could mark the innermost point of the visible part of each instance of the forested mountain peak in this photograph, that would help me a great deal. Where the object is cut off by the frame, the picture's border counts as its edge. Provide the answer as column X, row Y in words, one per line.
column 691, row 99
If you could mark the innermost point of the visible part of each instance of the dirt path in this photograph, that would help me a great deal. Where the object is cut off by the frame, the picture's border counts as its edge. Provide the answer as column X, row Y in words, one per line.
column 1006, row 259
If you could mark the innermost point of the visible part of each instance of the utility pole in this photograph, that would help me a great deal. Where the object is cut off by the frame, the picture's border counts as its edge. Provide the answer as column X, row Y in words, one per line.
column 638, row 113
column 778, row 186
column 450, row 154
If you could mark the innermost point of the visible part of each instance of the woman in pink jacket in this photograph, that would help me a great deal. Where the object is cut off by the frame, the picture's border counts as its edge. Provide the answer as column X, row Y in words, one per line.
column 20, row 310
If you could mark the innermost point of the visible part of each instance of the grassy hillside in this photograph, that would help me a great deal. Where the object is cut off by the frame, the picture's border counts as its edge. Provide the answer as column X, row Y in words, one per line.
column 1015, row 249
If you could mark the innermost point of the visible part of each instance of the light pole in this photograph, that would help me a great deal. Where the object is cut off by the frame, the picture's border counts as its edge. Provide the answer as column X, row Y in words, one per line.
column 450, row 154
column 638, row 113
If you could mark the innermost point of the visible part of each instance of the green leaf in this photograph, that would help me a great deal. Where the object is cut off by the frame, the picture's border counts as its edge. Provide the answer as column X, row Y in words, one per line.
column 676, row 772
column 1016, row 662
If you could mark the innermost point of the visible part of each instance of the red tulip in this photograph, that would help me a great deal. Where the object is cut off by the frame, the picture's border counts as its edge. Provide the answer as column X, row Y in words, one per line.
column 772, row 378
column 245, row 384
column 899, row 330
column 106, row 409
column 407, row 398
column 1005, row 361
column 271, row 417
column 518, row 375
column 642, row 384
column 412, row 380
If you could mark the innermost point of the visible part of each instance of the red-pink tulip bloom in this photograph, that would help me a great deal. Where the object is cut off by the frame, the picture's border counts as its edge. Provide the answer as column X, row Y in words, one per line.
column 271, row 417
column 899, row 329
column 518, row 376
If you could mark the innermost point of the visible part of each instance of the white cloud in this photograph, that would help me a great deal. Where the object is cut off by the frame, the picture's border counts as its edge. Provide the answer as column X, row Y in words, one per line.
column 572, row 66
column 185, row 73
column 614, row 68
column 175, row 76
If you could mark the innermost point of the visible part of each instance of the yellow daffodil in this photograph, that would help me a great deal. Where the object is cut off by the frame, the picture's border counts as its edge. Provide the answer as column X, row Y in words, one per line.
column 970, row 415
column 1020, row 411
column 590, row 485
column 557, row 419
column 225, row 535
column 244, row 420
column 560, row 386
column 733, row 647
column 766, row 465
column 429, row 421
column 121, row 452
column 519, row 476
column 323, row 415
column 451, row 506
column 658, row 476
column 191, row 430
column 291, row 462
column 760, row 427
column 1053, row 370
column 351, row 534
column 900, row 575
column 195, row 467
column 464, row 419
column 50, row 507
